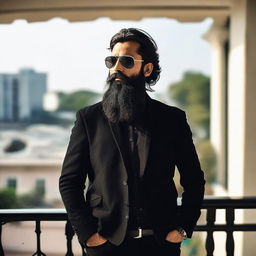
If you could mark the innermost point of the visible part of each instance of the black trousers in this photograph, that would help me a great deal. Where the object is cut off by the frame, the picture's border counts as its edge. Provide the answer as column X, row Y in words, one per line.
column 145, row 246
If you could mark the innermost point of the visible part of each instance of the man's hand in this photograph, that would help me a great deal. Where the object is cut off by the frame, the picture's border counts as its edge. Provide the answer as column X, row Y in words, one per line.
column 174, row 236
column 95, row 240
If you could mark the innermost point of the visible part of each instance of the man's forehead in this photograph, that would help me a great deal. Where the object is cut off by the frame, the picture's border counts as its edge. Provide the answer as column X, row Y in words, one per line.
column 127, row 46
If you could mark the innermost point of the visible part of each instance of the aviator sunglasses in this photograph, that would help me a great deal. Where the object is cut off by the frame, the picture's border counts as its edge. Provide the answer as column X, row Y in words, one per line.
column 125, row 60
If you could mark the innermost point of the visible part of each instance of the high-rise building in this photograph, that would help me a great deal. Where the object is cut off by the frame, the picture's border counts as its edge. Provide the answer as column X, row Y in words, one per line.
column 21, row 94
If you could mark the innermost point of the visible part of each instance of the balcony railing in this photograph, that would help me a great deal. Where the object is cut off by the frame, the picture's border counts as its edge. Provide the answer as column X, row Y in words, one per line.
column 210, row 204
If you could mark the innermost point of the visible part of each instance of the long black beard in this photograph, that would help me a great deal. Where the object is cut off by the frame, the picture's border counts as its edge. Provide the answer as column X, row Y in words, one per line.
column 124, row 100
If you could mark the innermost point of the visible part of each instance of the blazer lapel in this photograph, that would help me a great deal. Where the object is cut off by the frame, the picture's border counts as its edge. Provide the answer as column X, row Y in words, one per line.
column 144, row 140
column 116, row 132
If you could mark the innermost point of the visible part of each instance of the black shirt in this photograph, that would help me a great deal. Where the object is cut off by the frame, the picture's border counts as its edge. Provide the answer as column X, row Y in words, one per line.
column 133, row 138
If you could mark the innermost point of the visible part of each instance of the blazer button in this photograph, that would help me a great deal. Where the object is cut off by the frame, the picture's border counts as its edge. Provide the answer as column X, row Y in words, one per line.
column 124, row 183
column 127, row 217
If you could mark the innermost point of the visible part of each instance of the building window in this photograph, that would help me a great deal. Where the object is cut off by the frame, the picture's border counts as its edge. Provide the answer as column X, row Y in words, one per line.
column 12, row 183
column 40, row 187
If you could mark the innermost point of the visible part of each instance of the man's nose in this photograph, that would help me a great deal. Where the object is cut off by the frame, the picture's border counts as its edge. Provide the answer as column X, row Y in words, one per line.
column 118, row 66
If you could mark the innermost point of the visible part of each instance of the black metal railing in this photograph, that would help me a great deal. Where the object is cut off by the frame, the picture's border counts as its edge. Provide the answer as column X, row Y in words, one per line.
column 211, row 204
column 38, row 215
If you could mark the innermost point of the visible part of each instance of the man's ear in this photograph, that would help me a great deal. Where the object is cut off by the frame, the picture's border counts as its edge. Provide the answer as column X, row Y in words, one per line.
column 148, row 68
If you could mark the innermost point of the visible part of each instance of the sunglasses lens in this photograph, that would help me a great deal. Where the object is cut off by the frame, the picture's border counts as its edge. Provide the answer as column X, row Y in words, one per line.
column 110, row 61
column 127, row 61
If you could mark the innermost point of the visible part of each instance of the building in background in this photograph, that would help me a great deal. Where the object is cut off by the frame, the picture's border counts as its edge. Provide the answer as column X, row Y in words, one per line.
column 21, row 95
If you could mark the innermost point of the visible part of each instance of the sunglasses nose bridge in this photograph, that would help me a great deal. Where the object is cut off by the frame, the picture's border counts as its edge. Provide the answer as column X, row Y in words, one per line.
column 118, row 65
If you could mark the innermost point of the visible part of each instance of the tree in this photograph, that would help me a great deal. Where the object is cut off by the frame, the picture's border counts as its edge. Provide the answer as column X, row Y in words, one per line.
column 192, row 94
column 76, row 100
column 8, row 199
column 34, row 199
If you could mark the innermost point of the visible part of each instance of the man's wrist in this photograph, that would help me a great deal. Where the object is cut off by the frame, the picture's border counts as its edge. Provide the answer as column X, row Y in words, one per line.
column 182, row 232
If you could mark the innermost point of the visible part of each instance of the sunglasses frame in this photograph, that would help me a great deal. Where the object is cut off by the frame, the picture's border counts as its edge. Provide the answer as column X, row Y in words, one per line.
column 118, row 58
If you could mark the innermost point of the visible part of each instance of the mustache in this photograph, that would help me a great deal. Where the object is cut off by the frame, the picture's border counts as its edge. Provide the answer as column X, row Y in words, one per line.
column 119, row 75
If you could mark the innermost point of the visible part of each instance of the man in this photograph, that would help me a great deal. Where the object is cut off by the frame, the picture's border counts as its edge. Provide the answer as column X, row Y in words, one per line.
column 128, row 146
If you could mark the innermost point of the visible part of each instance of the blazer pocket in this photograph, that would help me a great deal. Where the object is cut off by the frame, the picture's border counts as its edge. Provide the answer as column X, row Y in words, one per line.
column 95, row 200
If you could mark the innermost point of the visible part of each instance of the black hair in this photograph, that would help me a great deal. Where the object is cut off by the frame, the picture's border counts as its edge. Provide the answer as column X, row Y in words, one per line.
column 148, row 50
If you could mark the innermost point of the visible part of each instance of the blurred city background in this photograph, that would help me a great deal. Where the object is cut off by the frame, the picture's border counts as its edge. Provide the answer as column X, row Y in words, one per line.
column 51, row 67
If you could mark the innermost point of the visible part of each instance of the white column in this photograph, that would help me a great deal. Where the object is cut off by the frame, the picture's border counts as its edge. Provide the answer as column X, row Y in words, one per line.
column 217, row 37
column 236, row 99
column 242, row 103
column 242, row 108
column 250, row 123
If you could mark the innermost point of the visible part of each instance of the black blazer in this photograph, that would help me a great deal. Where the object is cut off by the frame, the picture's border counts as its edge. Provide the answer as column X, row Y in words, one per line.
column 96, row 151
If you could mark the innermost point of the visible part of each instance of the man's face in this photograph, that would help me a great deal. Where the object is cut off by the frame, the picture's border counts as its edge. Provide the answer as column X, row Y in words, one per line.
column 129, row 48
column 124, row 99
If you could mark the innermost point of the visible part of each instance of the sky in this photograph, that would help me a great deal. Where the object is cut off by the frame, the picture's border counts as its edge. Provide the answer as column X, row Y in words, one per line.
column 72, row 53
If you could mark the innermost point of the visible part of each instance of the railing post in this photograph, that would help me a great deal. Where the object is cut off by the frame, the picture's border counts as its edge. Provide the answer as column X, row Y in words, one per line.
column 230, row 245
column 69, row 232
column 83, row 251
column 211, row 216
column 38, row 232
column 1, row 246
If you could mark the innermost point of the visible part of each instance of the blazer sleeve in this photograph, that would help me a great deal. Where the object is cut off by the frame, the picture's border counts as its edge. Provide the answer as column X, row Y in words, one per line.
column 72, row 182
column 191, row 177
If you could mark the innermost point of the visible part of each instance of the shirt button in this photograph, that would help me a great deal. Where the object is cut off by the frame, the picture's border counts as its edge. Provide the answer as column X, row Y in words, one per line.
column 124, row 183
column 127, row 217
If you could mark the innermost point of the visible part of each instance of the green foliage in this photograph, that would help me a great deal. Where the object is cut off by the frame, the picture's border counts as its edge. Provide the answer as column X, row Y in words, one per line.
column 34, row 199
column 8, row 199
column 46, row 117
column 207, row 159
column 76, row 100
column 192, row 94
column 193, row 247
